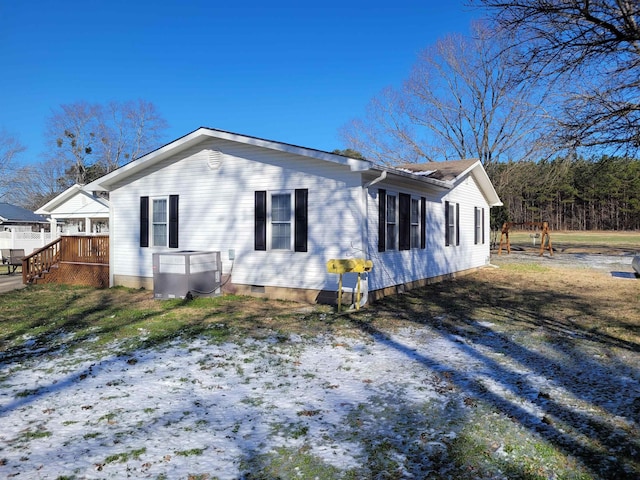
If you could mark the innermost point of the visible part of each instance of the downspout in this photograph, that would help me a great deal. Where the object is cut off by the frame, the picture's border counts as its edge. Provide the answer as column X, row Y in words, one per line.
column 112, row 256
column 365, row 231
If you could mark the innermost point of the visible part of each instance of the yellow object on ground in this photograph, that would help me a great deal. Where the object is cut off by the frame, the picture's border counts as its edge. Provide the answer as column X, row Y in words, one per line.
column 349, row 265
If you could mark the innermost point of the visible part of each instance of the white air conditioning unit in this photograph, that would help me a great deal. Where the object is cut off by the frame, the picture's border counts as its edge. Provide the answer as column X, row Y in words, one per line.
column 186, row 273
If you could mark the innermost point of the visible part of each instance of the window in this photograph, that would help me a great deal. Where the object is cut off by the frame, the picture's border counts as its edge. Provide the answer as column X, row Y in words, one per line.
column 276, row 220
column 401, row 221
column 391, row 222
column 159, row 221
column 452, row 223
column 479, row 225
column 415, row 223
column 281, row 221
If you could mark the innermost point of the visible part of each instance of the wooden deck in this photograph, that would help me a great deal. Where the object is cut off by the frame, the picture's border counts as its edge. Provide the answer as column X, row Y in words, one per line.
column 71, row 260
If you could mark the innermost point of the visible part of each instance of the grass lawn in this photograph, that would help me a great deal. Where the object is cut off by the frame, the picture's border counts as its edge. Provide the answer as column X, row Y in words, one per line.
column 577, row 241
column 541, row 378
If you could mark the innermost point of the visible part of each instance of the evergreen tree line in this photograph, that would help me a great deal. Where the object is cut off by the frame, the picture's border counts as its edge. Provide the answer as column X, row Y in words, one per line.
column 569, row 193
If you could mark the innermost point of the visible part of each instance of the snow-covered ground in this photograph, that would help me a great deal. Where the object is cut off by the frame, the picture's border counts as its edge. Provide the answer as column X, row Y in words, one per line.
column 196, row 408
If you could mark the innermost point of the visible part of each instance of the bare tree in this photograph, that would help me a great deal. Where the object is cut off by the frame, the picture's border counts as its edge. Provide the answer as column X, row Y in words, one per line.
column 592, row 49
column 128, row 130
column 36, row 184
column 10, row 147
column 463, row 99
column 71, row 134
column 93, row 139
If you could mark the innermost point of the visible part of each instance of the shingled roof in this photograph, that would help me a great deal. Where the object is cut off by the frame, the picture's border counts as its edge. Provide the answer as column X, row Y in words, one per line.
column 14, row 214
column 446, row 171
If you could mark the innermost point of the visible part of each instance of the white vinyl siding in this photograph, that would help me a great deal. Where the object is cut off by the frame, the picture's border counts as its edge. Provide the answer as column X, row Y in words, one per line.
column 435, row 260
column 218, row 213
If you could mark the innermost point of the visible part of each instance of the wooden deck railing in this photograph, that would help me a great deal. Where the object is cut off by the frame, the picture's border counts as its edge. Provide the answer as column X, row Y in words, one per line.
column 40, row 260
column 86, row 256
column 85, row 249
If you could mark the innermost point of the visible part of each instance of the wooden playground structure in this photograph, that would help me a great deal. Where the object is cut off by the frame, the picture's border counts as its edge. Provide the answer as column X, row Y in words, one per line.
column 545, row 237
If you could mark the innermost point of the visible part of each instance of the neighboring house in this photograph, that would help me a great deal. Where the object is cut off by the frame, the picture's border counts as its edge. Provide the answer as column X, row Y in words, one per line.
column 13, row 217
column 21, row 228
column 77, row 211
column 279, row 212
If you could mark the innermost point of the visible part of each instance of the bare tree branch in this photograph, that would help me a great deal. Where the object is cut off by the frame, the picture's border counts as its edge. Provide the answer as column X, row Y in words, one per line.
column 10, row 148
column 591, row 49
column 93, row 139
column 463, row 99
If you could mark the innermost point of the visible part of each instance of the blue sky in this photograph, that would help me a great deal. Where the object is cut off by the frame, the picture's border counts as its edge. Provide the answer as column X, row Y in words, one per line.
column 287, row 71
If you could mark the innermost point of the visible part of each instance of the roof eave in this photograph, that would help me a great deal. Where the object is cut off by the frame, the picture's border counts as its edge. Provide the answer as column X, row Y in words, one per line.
column 58, row 199
column 480, row 174
column 104, row 183
column 423, row 178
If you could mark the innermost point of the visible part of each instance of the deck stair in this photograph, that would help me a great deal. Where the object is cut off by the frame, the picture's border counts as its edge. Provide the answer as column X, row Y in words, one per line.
column 72, row 260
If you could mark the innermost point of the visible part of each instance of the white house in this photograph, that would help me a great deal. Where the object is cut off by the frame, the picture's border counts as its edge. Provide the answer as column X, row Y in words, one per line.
column 278, row 212
column 77, row 211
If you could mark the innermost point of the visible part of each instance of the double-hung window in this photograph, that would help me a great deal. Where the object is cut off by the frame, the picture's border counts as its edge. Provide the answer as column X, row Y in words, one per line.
column 280, row 220
column 479, row 225
column 452, row 223
column 392, row 235
column 159, row 221
column 415, row 223
column 401, row 221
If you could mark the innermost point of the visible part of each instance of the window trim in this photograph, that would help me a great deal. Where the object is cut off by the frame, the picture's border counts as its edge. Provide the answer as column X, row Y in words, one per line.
column 263, row 219
column 402, row 222
column 393, row 223
column 414, row 223
column 479, row 228
column 452, row 223
column 146, row 233
column 153, row 223
column 270, row 221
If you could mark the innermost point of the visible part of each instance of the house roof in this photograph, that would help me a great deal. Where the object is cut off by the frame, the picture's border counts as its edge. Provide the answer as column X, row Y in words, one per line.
column 447, row 171
column 69, row 193
column 182, row 143
column 14, row 214
column 451, row 172
column 439, row 174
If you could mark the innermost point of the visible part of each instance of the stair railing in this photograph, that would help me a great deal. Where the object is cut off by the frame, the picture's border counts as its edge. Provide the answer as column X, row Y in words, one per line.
column 40, row 260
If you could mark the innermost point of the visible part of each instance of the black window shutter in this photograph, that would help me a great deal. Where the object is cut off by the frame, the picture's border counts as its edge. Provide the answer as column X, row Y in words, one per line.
column 173, row 221
column 447, row 240
column 483, row 226
column 423, row 222
column 404, row 221
column 382, row 219
column 144, row 221
column 260, row 241
column 300, row 227
column 457, row 224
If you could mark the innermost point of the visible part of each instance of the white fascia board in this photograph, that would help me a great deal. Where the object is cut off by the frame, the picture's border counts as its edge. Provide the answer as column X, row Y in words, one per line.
column 412, row 176
column 59, row 199
column 480, row 174
column 354, row 164
column 103, row 183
